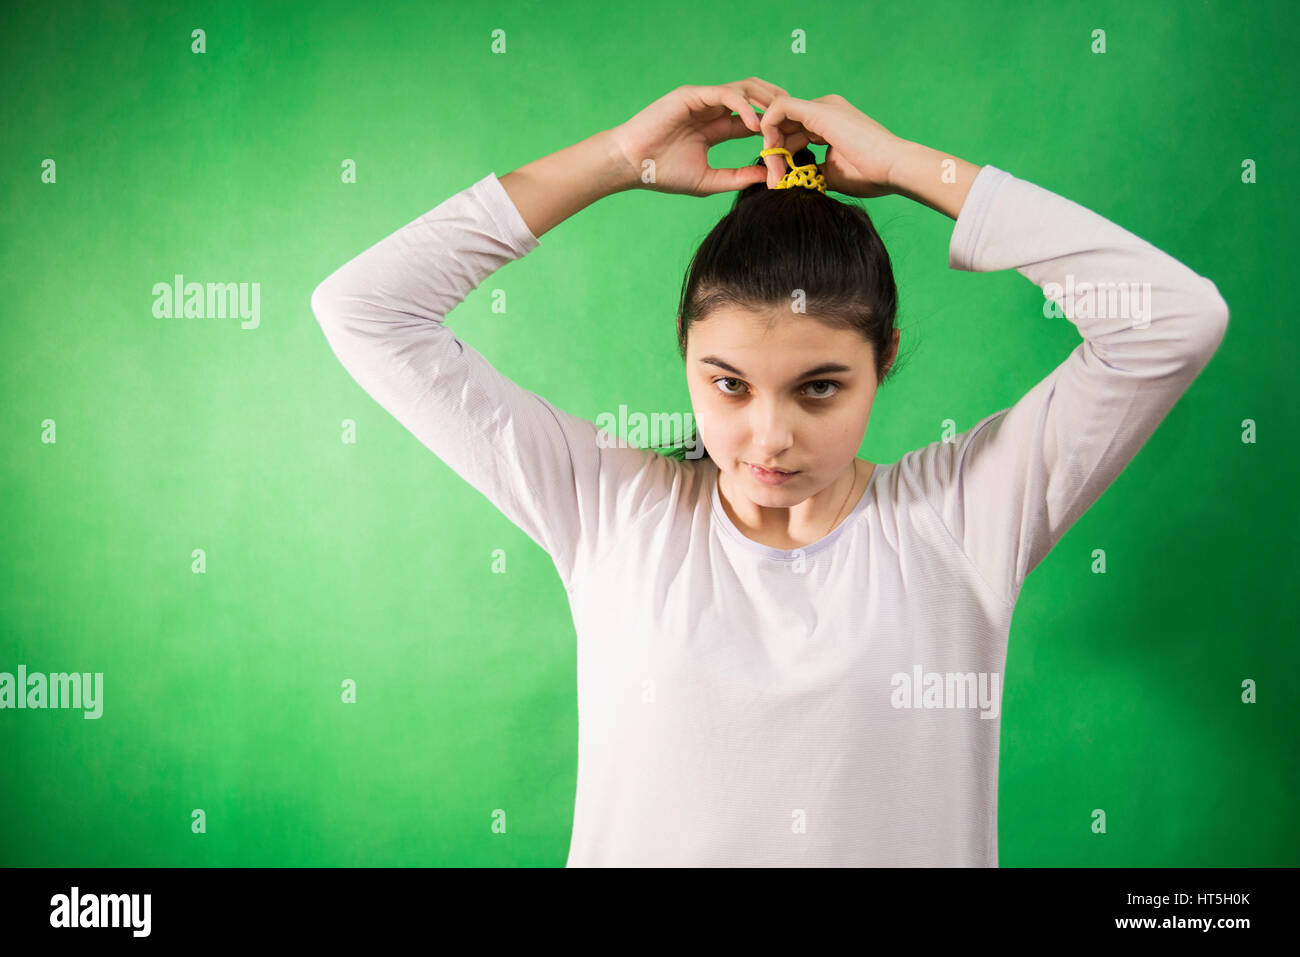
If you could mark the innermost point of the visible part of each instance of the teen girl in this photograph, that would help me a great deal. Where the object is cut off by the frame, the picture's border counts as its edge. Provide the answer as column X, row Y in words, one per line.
column 787, row 655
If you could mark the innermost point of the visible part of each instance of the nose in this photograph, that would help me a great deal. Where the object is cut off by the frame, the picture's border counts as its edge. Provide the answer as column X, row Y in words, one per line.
column 772, row 426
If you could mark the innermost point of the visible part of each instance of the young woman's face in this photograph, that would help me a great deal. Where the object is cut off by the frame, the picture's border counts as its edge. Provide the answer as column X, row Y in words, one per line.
column 793, row 395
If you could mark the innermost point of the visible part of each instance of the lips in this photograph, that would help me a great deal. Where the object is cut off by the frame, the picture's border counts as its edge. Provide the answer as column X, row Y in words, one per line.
column 769, row 477
column 766, row 469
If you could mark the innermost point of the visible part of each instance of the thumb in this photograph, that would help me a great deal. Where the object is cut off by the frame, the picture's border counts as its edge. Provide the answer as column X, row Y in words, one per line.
column 732, row 180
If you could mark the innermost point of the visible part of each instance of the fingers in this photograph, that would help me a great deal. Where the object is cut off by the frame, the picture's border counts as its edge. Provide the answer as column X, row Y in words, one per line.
column 730, row 127
column 793, row 124
column 729, row 180
column 763, row 93
column 753, row 91
column 766, row 92
column 734, row 98
column 782, row 125
column 759, row 92
column 783, row 110
column 733, row 128
column 795, row 138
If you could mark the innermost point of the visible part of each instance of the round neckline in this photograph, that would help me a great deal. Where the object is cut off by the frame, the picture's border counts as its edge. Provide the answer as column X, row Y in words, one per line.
column 782, row 554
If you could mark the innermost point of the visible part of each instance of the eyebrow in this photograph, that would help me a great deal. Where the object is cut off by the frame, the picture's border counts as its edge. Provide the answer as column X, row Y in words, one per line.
column 822, row 369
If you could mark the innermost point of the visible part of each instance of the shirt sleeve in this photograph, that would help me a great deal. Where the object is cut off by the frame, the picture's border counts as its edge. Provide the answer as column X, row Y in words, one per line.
column 1009, row 488
column 383, row 314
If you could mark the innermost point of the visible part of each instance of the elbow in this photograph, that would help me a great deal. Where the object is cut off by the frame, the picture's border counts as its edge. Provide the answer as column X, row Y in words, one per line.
column 1216, row 313
column 323, row 301
column 1219, row 314
column 1212, row 321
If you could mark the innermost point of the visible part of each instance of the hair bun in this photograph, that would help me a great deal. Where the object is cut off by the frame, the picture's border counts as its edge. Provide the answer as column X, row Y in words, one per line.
column 801, row 157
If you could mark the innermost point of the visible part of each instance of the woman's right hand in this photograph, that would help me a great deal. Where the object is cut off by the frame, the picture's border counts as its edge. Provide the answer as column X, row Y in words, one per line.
column 861, row 153
column 666, row 145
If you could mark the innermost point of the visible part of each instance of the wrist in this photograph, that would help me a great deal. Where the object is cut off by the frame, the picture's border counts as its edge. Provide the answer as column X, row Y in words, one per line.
column 618, row 173
column 932, row 178
column 903, row 164
column 549, row 190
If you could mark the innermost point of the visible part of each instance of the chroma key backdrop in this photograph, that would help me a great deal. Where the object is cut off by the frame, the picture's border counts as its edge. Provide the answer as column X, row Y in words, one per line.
column 295, row 572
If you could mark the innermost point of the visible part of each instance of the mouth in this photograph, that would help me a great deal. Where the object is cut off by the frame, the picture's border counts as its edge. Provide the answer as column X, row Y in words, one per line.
column 769, row 476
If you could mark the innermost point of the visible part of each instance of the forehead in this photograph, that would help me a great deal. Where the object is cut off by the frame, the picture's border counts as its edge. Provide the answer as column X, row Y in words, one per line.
column 776, row 340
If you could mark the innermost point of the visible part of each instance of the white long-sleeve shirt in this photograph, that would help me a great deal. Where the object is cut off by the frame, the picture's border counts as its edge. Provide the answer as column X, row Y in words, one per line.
column 743, row 705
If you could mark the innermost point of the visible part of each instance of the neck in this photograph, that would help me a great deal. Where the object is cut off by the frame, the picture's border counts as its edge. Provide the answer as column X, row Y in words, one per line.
column 802, row 523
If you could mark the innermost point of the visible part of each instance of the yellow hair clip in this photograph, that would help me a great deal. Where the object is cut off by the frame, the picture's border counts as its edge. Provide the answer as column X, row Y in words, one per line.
column 808, row 176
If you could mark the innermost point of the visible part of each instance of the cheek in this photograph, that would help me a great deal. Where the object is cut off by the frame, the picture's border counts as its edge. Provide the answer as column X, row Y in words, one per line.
column 840, row 429
column 714, row 429
column 719, row 427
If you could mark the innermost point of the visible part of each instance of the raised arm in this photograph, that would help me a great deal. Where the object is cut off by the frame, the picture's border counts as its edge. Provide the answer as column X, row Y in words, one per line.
column 1010, row 487
column 383, row 313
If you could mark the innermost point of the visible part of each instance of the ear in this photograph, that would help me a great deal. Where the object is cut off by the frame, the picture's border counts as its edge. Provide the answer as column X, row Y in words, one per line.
column 893, row 352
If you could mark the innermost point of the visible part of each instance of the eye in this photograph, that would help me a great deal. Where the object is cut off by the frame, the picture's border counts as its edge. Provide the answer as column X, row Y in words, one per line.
column 726, row 379
column 825, row 382
column 822, row 396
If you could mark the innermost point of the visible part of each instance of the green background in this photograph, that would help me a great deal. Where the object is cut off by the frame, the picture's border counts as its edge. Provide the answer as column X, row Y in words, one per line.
column 328, row 561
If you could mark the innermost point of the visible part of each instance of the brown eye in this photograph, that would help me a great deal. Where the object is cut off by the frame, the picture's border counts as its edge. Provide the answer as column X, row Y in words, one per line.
column 824, row 395
column 726, row 379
